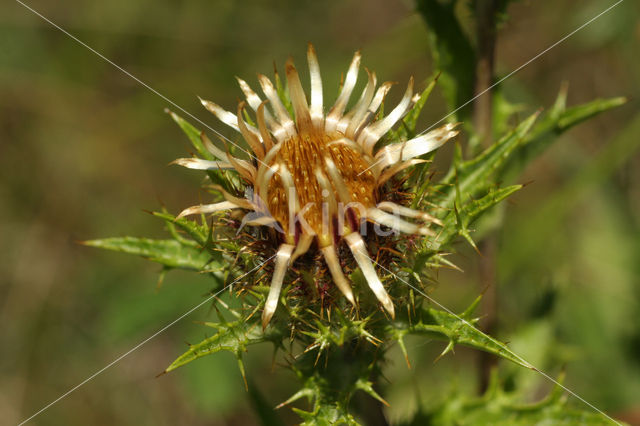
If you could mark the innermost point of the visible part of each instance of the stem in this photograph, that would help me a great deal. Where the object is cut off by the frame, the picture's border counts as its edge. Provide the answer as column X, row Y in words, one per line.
column 486, row 11
column 370, row 411
column 486, row 38
column 341, row 382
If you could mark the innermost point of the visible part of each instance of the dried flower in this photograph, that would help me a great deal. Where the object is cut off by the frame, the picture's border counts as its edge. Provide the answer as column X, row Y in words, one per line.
column 316, row 178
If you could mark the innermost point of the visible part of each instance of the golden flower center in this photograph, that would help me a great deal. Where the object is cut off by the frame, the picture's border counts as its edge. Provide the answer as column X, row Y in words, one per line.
column 303, row 155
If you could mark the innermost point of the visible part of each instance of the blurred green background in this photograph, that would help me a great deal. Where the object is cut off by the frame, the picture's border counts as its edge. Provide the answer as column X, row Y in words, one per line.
column 84, row 150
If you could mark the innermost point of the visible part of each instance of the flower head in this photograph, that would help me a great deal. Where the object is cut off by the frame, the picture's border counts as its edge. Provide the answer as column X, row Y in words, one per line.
column 316, row 177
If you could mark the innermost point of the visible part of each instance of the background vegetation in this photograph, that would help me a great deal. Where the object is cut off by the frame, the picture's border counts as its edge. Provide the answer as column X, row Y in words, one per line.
column 83, row 149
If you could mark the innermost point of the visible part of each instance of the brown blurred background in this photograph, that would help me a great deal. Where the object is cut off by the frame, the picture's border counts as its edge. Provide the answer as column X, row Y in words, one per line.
column 84, row 150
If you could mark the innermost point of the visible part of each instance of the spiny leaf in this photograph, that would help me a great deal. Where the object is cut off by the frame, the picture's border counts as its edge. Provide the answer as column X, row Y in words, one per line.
column 170, row 253
column 499, row 407
column 455, row 329
column 473, row 176
column 328, row 408
column 541, row 224
column 503, row 111
column 329, row 386
column 193, row 134
column 457, row 222
column 462, row 331
column 173, row 231
column 199, row 233
column 557, row 121
column 577, row 114
column 506, row 159
column 326, row 415
column 453, row 53
column 233, row 337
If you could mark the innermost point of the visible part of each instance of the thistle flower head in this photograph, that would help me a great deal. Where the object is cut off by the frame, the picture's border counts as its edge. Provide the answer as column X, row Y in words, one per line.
column 316, row 177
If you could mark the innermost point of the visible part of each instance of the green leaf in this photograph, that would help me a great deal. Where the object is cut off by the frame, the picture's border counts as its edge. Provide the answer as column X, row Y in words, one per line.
column 193, row 134
column 577, row 114
column 169, row 253
column 283, row 93
column 541, row 224
column 558, row 120
column 199, row 233
column 407, row 128
column 505, row 160
column 329, row 384
column 499, row 407
column 455, row 329
column 217, row 176
column 233, row 337
column 326, row 415
column 503, row 111
column 457, row 223
column 452, row 52
column 474, row 176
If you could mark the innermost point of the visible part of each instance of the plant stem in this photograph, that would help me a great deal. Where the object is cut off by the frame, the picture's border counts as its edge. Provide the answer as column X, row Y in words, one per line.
column 486, row 11
column 486, row 40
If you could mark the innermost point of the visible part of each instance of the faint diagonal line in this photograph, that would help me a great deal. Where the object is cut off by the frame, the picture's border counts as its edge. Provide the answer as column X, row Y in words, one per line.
column 127, row 73
column 590, row 21
column 522, row 360
column 115, row 361
column 521, row 66
column 258, row 266
column 198, row 120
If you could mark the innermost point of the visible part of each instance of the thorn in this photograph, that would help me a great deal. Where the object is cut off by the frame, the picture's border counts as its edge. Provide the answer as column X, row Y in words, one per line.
column 366, row 386
column 163, row 273
column 465, row 234
column 404, row 351
column 446, row 350
column 484, row 290
column 469, row 311
column 244, row 377
column 406, row 358
column 318, row 356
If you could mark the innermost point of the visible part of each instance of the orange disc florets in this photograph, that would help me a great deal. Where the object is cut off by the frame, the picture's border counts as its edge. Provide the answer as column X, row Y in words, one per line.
column 316, row 176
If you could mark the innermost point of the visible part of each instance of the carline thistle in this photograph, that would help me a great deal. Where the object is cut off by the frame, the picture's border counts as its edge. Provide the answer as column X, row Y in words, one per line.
column 317, row 178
